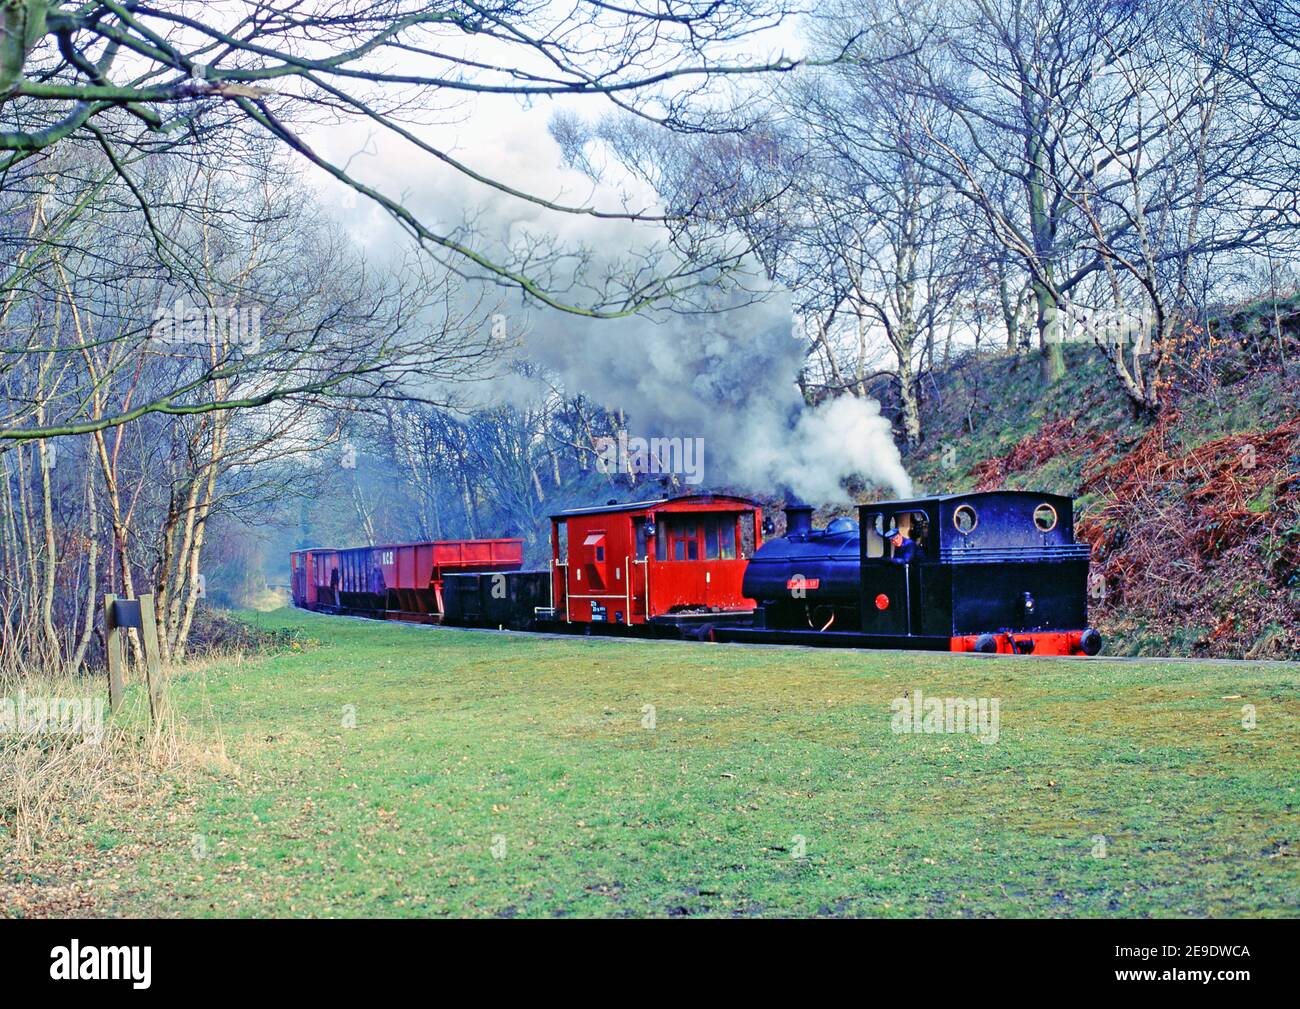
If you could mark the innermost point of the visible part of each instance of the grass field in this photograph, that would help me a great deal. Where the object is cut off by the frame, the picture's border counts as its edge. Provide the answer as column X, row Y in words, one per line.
column 402, row 770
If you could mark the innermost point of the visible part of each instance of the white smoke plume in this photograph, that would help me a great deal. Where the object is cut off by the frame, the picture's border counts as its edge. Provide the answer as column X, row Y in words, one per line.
column 727, row 376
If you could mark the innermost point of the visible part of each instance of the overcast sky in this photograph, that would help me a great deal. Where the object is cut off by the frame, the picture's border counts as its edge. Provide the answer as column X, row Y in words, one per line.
column 499, row 136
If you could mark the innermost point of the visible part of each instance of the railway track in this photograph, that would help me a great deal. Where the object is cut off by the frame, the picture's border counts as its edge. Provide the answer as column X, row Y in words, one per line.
column 954, row 656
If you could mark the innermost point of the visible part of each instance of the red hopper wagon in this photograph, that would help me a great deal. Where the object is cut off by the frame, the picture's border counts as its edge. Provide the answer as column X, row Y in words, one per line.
column 398, row 581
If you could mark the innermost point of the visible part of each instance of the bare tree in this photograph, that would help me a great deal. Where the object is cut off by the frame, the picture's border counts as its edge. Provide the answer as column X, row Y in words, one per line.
column 886, row 226
column 1118, row 140
column 184, row 370
column 133, row 78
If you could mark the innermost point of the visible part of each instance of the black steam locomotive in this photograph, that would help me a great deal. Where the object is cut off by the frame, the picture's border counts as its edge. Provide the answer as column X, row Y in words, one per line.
column 984, row 572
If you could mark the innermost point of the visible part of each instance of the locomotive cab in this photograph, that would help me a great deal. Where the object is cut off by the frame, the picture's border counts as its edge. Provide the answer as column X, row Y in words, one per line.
column 1000, row 571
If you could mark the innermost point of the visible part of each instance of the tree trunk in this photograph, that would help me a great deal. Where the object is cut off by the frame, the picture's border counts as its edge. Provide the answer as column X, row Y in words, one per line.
column 92, row 568
column 1049, row 323
column 1049, row 334
column 1010, row 313
column 51, row 557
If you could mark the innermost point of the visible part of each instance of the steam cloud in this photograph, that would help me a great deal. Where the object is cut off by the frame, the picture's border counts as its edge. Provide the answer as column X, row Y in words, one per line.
column 727, row 376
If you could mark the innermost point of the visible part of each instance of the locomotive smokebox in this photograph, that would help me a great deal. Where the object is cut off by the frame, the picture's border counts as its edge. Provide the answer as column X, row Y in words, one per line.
column 798, row 519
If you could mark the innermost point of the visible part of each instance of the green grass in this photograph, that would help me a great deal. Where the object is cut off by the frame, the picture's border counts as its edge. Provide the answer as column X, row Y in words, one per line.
column 468, row 741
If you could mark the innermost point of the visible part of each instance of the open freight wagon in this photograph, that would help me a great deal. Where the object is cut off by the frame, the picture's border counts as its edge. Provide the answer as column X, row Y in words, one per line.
column 397, row 581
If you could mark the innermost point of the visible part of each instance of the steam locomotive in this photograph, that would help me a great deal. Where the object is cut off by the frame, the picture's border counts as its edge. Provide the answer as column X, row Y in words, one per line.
column 985, row 572
column 988, row 572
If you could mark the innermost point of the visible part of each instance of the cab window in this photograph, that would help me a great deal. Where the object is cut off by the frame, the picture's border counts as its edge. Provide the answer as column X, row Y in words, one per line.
column 720, row 537
column 686, row 545
column 875, row 536
column 682, row 536
column 704, row 537
column 915, row 526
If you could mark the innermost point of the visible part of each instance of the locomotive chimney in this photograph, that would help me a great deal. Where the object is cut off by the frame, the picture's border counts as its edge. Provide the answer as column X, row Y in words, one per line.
column 798, row 519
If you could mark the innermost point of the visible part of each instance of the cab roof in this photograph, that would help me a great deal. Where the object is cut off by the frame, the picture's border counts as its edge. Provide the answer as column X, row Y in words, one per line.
column 975, row 495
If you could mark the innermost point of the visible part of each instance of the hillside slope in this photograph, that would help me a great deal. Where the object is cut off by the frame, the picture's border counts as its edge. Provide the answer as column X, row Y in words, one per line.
column 1194, row 517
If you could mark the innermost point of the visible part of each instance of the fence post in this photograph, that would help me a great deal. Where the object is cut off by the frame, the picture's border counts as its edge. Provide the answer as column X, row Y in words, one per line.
column 119, row 616
column 149, row 645
column 113, row 646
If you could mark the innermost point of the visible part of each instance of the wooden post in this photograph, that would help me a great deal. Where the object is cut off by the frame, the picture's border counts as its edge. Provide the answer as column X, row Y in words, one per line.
column 149, row 645
column 119, row 616
column 113, row 645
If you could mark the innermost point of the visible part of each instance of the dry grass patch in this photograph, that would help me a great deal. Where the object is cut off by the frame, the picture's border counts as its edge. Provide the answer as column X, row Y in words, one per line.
column 83, row 791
